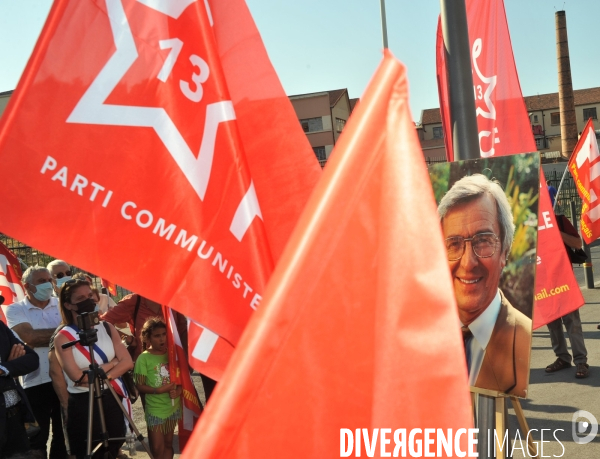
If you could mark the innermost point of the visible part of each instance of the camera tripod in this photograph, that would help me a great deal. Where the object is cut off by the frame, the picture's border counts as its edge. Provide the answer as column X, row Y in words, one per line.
column 96, row 380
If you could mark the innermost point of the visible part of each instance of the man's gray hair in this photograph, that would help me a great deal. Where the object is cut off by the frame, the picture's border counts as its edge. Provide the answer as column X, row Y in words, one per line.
column 29, row 273
column 54, row 263
column 472, row 187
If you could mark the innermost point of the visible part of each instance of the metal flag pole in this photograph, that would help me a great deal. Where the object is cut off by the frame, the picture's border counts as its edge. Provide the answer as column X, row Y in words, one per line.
column 465, row 140
column 465, row 143
column 383, row 25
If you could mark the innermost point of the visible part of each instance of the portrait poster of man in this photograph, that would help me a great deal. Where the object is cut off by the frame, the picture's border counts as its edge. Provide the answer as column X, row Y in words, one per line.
column 488, row 209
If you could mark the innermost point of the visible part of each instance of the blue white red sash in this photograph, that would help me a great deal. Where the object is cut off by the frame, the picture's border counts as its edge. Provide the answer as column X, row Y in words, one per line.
column 100, row 358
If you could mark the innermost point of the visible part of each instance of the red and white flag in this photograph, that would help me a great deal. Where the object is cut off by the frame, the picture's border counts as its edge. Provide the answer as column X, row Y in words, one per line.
column 504, row 128
column 11, row 288
column 349, row 302
column 584, row 166
column 180, row 375
column 157, row 131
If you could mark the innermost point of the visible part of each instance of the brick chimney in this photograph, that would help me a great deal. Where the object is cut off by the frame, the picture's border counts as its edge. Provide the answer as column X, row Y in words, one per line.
column 568, row 123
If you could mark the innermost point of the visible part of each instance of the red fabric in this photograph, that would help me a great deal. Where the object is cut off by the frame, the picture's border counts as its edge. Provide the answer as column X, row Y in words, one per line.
column 10, row 279
column 328, row 348
column 112, row 288
column 212, row 361
column 556, row 289
column 92, row 102
column 505, row 129
column 180, row 375
column 502, row 120
column 584, row 166
column 123, row 312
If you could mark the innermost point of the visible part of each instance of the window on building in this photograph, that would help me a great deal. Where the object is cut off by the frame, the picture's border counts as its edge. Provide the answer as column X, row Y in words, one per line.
column 535, row 118
column 589, row 113
column 555, row 118
column 320, row 153
column 339, row 124
column 312, row 124
column 438, row 133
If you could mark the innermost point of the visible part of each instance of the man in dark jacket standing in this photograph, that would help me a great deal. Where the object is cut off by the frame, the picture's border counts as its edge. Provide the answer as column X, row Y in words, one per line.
column 16, row 359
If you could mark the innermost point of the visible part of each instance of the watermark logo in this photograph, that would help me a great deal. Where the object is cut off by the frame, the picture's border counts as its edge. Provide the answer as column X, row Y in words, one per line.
column 584, row 427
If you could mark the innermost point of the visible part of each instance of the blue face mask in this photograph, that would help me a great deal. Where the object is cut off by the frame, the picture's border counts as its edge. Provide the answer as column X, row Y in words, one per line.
column 43, row 291
column 62, row 280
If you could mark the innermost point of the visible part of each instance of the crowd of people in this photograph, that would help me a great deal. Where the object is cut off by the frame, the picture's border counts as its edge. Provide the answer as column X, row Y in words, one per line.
column 52, row 395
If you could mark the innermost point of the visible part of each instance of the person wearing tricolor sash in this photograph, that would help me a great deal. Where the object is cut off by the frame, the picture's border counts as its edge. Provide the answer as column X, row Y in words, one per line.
column 76, row 297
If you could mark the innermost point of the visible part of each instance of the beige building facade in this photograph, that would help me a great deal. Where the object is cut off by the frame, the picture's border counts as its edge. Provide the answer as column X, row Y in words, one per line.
column 544, row 118
column 323, row 116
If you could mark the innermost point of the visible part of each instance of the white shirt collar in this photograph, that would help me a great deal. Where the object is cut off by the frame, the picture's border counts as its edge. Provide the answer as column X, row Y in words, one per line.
column 483, row 326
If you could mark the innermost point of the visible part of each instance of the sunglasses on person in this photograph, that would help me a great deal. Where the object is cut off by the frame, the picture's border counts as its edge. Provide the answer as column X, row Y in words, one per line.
column 61, row 275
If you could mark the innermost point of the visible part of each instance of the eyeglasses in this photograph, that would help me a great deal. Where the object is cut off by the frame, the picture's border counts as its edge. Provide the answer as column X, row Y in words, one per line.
column 61, row 275
column 483, row 244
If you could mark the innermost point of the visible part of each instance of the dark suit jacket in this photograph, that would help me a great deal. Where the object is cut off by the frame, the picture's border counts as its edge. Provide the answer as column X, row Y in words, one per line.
column 505, row 367
column 17, row 367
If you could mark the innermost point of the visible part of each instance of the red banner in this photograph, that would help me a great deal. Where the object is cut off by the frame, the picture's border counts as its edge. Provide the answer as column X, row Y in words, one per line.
column 180, row 375
column 11, row 288
column 504, row 128
column 495, row 84
column 556, row 289
column 158, row 133
column 584, row 165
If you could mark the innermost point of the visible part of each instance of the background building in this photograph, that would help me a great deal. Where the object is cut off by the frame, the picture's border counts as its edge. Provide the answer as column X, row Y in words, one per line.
column 544, row 117
column 323, row 116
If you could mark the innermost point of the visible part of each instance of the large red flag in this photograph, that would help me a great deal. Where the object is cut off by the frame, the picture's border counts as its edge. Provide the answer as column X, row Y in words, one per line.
column 180, row 375
column 495, row 84
column 11, row 288
column 354, row 331
column 168, row 155
column 504, row 128
column 584, row 166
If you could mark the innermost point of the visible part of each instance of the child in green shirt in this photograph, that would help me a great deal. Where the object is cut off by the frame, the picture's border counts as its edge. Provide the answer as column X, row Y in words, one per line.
column 163, row 404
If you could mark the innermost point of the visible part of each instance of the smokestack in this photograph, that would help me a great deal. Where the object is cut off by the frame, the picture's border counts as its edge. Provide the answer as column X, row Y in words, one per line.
column 568, row 122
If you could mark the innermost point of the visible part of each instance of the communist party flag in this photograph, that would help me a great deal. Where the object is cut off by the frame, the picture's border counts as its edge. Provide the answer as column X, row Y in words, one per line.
column 180, row 375
column 11, row 288
column 584, row 166
column 504, row 128
column 362, row 285
column 112, row 288
column 157, row 131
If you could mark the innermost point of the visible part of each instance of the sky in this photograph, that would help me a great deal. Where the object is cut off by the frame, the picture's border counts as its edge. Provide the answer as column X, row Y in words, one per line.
column 320, row 45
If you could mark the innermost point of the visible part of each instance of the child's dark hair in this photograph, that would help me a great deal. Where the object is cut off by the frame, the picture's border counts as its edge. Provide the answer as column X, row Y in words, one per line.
column 149, row 326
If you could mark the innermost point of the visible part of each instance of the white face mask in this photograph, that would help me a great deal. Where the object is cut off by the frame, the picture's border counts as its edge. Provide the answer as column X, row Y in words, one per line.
column 43, row 292
column 62, row 280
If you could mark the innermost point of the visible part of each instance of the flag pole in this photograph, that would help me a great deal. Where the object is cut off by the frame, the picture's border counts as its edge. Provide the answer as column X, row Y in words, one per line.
column 383, row 24
column 465, row 142
column 463, row 122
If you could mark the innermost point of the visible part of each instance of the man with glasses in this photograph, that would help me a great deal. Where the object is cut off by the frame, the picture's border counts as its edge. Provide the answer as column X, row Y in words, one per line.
column 478, row 228
column 61, row 273
column 34, row 319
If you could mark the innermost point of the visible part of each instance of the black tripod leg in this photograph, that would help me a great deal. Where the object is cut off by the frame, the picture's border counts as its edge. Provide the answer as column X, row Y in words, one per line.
column 90, row 423
column 103, row 432
column 139, row 436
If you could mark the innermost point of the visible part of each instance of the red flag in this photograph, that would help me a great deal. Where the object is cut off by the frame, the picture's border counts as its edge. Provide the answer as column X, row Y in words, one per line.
column 112, row 288
column 504, row 128
column 556, row 289
column 11, row 288
column 584, row 166
column 159, row 130
column 356, row 298
column 502, row 120
column 180, row 375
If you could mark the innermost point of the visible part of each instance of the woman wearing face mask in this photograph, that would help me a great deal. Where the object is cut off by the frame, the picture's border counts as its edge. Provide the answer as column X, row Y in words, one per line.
column 111, row 355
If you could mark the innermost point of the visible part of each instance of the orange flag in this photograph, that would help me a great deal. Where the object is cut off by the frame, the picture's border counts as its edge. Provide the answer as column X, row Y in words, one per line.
column 358, row 328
